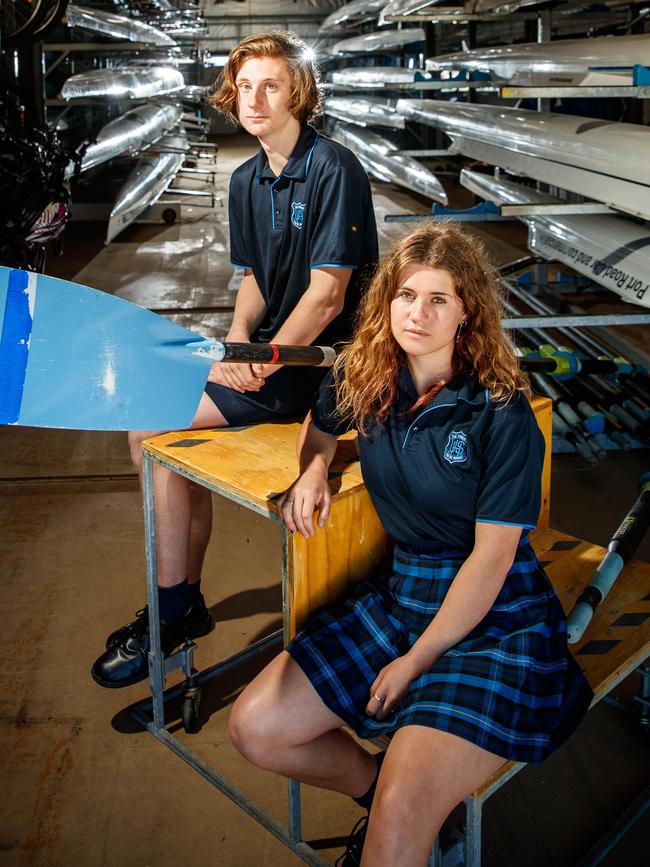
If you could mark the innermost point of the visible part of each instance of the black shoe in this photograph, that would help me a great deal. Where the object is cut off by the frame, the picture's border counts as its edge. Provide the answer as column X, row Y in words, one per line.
column 126, row 662
column 352, row 855
column 199, row 622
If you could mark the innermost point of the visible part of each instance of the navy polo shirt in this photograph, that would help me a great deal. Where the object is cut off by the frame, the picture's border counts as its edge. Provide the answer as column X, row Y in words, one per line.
column 317, row 213
column 464, row 458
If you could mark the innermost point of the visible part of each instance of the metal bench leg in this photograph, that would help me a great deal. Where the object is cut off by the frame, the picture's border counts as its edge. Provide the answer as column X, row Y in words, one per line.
column 294, row 824
column 643, row 697
column 156, row 661
column 617, row 831
column 474, row 811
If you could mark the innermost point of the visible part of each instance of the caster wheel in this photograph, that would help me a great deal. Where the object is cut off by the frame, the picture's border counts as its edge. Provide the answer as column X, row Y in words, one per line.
column 169, row 215
column 190, row 709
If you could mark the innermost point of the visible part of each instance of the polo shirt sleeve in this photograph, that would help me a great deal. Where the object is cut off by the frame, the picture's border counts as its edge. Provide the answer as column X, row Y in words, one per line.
column 344, row 202
column 239, row 257
column 510, row 488
column 323, row 411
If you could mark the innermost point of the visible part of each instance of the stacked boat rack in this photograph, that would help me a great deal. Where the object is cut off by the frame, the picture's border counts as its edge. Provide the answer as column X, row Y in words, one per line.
column 581, row 184
column 136, row 77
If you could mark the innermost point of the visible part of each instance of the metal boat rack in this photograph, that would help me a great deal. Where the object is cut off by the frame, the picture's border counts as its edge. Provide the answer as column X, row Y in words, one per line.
column 508, row 91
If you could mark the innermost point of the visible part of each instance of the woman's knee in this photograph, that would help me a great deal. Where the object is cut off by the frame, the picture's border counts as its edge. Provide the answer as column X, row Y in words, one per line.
column 391, row 806
column 252, row 727
column 397, row 818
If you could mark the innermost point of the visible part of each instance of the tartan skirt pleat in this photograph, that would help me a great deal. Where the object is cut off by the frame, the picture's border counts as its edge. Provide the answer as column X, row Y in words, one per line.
column 510, row 686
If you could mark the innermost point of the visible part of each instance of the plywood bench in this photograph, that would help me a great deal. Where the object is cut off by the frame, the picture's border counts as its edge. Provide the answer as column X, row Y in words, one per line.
column 616, row 642
column 251, row 466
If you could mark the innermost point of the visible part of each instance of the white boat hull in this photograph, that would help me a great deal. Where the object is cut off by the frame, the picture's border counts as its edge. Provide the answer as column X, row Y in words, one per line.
column 379, row 158
column 600, row 61
column 363, row 112
column 124, row 83
column 599, row 159
column 117, row 26
column 376, row 43
column 131, row 132
column 146, row 183
column 607, row 249
column 352, row 13
column 366, row 76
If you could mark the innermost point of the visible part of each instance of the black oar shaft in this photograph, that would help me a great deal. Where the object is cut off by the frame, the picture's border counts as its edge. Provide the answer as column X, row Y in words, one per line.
column 323, row 356
column 271, row 353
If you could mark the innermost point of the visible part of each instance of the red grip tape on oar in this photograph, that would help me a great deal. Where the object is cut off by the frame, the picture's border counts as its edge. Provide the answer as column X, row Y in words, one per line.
column 276, row 353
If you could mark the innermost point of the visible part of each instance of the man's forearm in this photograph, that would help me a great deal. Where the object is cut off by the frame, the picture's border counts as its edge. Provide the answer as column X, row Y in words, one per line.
column 249, row 310
column 322, row 302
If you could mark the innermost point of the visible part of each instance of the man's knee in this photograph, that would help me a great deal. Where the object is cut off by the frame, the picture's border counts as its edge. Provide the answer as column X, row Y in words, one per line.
column 136, row 438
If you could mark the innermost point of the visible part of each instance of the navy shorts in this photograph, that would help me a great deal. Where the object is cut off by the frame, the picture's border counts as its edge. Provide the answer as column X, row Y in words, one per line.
column 286, row 394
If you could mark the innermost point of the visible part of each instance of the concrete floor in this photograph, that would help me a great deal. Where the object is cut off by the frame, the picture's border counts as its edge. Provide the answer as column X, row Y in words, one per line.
column 83, row 783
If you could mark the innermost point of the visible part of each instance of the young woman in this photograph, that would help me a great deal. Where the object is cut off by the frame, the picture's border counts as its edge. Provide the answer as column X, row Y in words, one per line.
column 459, row 649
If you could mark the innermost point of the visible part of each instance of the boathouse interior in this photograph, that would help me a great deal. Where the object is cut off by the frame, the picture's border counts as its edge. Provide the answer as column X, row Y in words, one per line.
column 85, row 782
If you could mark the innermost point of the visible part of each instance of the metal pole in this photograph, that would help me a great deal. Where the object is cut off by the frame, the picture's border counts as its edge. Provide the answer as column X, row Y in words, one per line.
column 617, row 831
column 474, row 810
column 156, row 662
column 295, row 818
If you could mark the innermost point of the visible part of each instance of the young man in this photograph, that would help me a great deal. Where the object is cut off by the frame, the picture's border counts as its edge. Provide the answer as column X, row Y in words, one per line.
column 303, row 228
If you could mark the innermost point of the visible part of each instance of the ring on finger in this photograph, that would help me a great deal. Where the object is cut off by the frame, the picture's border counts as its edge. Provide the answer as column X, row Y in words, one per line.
column 379, row 698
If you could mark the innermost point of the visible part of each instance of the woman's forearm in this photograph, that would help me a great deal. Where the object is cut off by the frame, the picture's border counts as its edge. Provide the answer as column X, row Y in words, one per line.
column 311, row 491
column 316, row 449
column 471, row 595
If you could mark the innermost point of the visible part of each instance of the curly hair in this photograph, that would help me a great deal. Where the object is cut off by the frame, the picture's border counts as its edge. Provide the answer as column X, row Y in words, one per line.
column 305, row 102
column 366, row 370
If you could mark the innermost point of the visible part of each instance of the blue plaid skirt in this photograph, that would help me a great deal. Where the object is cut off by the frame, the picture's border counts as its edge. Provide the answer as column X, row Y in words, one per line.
column 510, row 686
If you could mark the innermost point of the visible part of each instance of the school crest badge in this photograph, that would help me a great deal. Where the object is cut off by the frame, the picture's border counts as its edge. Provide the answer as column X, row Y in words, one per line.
column 456, row 448
column 298, row 213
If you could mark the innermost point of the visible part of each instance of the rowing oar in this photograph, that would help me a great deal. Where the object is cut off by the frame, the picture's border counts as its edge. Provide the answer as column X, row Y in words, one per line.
column 558, row 364
column 620, row 549
column 272, row 353
column 634, row 376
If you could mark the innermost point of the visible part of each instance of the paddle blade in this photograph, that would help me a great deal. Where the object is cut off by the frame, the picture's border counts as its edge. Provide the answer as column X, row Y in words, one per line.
column 73, row 357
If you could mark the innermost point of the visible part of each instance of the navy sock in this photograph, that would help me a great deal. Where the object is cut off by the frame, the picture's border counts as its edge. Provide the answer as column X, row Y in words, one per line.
column 365, row 801
column 174, row 601
column 195, row 588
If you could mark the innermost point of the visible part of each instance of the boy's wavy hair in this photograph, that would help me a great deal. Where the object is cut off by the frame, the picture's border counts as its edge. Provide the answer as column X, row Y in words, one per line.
column 305, row 102
column 366, row 370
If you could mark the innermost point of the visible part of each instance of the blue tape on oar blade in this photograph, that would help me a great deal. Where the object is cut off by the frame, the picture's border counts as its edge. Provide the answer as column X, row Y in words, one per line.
column 14, row 346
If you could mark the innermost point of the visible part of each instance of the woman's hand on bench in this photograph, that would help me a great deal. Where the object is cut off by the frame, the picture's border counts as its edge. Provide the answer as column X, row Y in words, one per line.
column 310, row 492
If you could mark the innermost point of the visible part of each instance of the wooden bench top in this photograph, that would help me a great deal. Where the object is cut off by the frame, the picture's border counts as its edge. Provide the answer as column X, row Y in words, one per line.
column 252, row 465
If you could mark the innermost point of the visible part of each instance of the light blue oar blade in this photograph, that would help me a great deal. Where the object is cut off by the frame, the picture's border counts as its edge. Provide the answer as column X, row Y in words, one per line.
column 73, row 357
